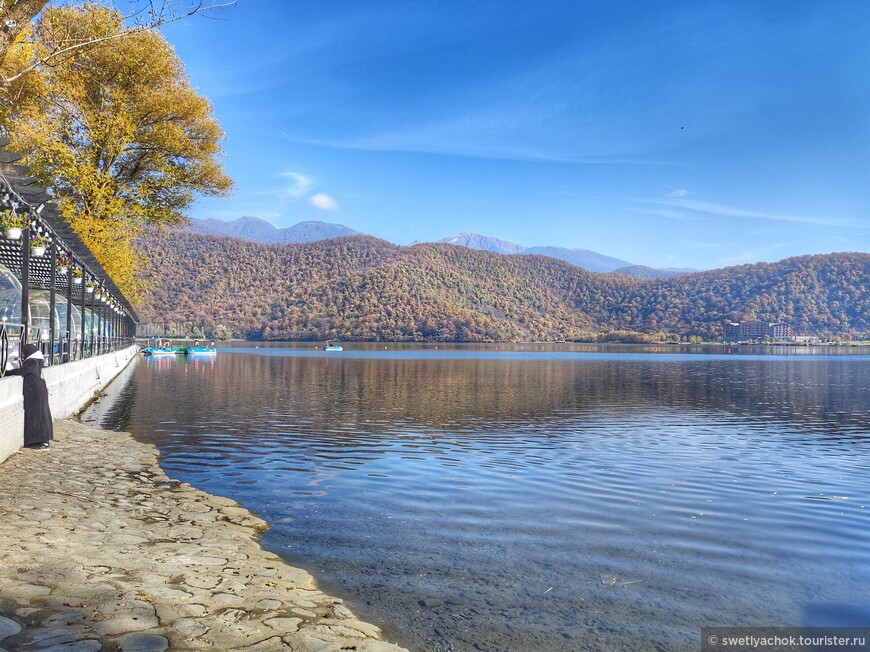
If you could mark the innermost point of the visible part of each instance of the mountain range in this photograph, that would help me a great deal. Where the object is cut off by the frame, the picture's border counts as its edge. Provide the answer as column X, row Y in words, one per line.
column 256, row 229
column 362, row 288
column 585, row 258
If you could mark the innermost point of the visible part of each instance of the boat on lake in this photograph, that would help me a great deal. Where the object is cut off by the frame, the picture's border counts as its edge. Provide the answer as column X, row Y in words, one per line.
column 159, row 347
column 329, row 346
column 200, row 350
column 156, row 351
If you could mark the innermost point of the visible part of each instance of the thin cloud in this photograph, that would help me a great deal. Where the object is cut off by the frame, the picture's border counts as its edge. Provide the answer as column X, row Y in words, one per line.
column 723, row 210
column 667, row 213
column 455, row 148
column 299, row 186
column 323, row 202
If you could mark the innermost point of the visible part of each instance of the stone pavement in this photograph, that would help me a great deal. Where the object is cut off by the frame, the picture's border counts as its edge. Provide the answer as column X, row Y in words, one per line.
column 102, row 551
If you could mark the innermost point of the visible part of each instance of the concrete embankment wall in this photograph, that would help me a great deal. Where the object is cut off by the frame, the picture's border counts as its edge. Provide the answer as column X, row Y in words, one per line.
column 70, row 387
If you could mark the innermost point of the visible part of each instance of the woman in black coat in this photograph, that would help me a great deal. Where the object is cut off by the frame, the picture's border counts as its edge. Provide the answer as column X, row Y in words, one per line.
column 38, row 426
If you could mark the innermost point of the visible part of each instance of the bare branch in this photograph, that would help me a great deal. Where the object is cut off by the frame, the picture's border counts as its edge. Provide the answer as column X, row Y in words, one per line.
column 21, row 12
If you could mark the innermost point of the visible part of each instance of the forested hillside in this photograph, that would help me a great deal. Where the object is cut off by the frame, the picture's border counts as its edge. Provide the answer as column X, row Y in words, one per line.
column 367, row 289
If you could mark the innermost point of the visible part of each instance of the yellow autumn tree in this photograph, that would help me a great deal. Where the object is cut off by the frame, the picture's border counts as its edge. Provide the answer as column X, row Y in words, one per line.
column 116, row 131
column 17, row 16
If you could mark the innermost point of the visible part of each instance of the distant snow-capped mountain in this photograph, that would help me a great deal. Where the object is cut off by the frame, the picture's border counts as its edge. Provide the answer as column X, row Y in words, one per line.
column 259, row 230
column 483, row 243
column 584, row 258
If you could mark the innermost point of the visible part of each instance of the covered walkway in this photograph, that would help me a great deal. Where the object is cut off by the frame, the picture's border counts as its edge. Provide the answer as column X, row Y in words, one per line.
column 53, row 292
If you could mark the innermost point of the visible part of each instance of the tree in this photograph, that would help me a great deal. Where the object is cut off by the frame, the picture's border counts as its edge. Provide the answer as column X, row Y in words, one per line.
column 117, row 133
column 16, row 17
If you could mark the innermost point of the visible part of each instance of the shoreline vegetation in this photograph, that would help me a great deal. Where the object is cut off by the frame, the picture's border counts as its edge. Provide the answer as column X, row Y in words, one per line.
column 606, row 338
column 104, row 551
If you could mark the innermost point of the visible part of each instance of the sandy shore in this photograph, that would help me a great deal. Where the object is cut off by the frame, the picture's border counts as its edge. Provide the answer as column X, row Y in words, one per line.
column 102, row 551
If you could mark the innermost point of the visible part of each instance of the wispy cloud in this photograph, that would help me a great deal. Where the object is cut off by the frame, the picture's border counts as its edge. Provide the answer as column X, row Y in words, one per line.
column 299, row 186
column 423, row 143
column 289, row 188
column 323, row 202
column 293, row 187
column 681, row 199
column 667, row 213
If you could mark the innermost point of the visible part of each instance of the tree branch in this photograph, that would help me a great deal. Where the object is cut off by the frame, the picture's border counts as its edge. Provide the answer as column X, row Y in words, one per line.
column 22, row 11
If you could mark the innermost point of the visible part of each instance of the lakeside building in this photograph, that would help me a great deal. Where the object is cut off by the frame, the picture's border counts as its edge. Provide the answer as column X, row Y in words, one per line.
column 755, row 329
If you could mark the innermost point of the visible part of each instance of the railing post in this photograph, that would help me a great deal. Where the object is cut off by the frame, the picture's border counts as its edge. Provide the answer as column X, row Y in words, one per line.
column 52, row 303
column 25, row 286
column 4, row 353
column 103, row 330
column 69, row 310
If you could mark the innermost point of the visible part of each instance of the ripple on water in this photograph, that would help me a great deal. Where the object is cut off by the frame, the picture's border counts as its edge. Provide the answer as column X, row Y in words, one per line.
column 544, row 503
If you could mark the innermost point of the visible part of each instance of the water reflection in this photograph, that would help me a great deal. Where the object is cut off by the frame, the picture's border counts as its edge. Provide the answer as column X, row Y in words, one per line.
column 474, row 394
column 536, row 500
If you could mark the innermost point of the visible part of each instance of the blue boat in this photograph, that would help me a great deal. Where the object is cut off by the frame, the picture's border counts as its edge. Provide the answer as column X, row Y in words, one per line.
column 160, row 347
column 200, row 350
column 332, row 347
column 156, row 351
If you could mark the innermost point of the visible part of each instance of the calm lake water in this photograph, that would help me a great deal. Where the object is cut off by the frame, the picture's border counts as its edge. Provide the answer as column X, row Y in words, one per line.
column 541, row 498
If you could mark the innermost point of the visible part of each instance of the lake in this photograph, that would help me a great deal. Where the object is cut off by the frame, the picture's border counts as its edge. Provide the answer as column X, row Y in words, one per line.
column 540, row 497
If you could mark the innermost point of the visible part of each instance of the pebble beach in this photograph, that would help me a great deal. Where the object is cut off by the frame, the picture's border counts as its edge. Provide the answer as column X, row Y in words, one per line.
column 103, row 551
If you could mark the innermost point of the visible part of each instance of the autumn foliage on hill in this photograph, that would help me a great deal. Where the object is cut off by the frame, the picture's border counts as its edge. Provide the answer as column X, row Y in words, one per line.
column 361, row 288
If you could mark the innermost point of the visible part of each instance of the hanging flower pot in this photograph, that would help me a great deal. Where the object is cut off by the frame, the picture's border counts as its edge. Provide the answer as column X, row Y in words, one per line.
column 12, row 224
column 63, row 262
column 77, row 276
column 38, row 244
column 89, row 287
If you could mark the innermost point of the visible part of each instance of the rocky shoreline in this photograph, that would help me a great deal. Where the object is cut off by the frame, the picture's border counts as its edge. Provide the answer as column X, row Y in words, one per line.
column 102, row 551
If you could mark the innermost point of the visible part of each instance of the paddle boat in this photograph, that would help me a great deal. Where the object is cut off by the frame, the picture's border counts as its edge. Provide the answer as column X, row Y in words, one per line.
column 160, row 347
column 329, row 346
column 201, row 350
column 198, row 349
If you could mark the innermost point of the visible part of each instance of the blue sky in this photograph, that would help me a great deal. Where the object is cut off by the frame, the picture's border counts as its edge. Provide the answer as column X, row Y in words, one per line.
column 688, row 134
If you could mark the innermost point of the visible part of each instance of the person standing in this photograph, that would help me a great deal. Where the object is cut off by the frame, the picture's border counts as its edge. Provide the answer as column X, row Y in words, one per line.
column 38, row 426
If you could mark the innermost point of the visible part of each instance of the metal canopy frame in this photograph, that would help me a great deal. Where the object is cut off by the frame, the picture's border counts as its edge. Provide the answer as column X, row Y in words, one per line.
column 115, row 318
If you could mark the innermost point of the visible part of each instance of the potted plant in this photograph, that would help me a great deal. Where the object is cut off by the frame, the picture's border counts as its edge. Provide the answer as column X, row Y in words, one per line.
column 38, row 243
column 12, row 224
column 89, row 286
column 77, row 276
column 64, row 260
